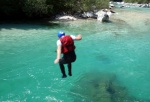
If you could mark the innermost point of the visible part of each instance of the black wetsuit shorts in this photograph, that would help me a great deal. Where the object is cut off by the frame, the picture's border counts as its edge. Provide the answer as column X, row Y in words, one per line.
column 68, row 58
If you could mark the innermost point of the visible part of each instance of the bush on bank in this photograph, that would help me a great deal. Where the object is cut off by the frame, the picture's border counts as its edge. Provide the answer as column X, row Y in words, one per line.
column 33, row 9
column 14, row 9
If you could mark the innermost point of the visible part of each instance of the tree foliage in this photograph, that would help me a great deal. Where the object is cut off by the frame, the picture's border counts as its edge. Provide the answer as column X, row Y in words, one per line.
column 47, row 8
column 34, row 8
column 44, row 8
column 10, row 8
column 87, row 5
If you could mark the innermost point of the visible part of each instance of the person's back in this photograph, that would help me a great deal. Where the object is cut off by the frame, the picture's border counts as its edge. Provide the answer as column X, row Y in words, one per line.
column 67, row 44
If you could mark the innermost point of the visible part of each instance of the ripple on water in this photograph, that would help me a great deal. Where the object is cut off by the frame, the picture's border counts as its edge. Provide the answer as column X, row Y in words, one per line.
column 119, row 51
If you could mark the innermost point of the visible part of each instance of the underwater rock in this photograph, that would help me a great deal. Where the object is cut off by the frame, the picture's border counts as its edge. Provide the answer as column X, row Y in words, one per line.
column 100, row 87
column 103, row 58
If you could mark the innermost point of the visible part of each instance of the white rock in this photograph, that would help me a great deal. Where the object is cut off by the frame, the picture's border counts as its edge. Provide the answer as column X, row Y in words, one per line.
column 66, row 18
column 103, row 16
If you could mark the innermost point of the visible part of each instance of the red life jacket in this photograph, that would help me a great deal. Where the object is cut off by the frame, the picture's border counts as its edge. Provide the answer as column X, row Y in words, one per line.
column 67, row 44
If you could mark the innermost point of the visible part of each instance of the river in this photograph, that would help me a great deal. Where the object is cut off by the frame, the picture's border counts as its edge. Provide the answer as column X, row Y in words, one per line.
column 112, row 60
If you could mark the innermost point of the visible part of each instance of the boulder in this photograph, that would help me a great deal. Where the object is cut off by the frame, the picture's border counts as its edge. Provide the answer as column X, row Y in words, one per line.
column 103, row 15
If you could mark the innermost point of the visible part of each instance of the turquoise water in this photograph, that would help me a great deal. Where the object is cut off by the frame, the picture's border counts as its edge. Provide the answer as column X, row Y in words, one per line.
column 116, row 53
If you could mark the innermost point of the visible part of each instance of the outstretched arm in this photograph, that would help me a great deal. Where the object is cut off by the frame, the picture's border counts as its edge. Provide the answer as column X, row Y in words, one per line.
column 78, row 37
column 58, row 54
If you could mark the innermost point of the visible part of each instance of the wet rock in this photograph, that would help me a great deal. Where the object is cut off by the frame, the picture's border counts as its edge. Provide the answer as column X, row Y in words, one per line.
column 67, row 17
column 89, row 14
column 103, row 15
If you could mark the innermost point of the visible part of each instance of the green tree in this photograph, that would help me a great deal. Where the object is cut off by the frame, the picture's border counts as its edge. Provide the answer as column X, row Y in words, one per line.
column 36, row 8
column 10, row 8
column 47, row 8
column 87, row 5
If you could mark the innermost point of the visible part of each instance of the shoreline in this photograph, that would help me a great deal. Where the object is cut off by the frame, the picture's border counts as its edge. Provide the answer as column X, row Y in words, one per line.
column 52, row 21
column 82, row 16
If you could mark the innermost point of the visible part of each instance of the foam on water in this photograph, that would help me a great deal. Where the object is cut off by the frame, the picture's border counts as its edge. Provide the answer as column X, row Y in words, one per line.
column 27, row 51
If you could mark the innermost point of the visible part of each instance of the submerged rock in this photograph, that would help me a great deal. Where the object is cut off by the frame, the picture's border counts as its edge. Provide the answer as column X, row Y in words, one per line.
column 100, row 87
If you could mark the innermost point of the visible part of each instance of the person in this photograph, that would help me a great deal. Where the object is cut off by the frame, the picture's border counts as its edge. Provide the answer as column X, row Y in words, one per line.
column 65, row 46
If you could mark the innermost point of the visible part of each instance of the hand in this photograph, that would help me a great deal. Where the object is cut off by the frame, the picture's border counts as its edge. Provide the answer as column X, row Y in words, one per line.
column 56, row 61
column 78, row 37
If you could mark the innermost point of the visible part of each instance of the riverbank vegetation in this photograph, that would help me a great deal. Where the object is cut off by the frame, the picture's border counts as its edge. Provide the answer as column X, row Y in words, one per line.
column 35, row 9
column 38, row 9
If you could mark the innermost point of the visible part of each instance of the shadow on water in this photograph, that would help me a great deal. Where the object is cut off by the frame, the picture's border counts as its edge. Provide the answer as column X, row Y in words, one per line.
column 26, row 25
column 100, row 87
column 103, row 59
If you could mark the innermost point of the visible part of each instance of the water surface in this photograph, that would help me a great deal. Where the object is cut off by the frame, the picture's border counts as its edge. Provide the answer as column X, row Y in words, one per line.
column 118, row 51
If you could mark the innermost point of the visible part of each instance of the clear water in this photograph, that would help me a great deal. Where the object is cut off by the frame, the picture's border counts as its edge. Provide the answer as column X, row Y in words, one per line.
column 120, row 48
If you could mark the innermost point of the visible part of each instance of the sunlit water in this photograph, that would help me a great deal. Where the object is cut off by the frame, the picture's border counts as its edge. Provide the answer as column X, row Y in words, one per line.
column 120, row 48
